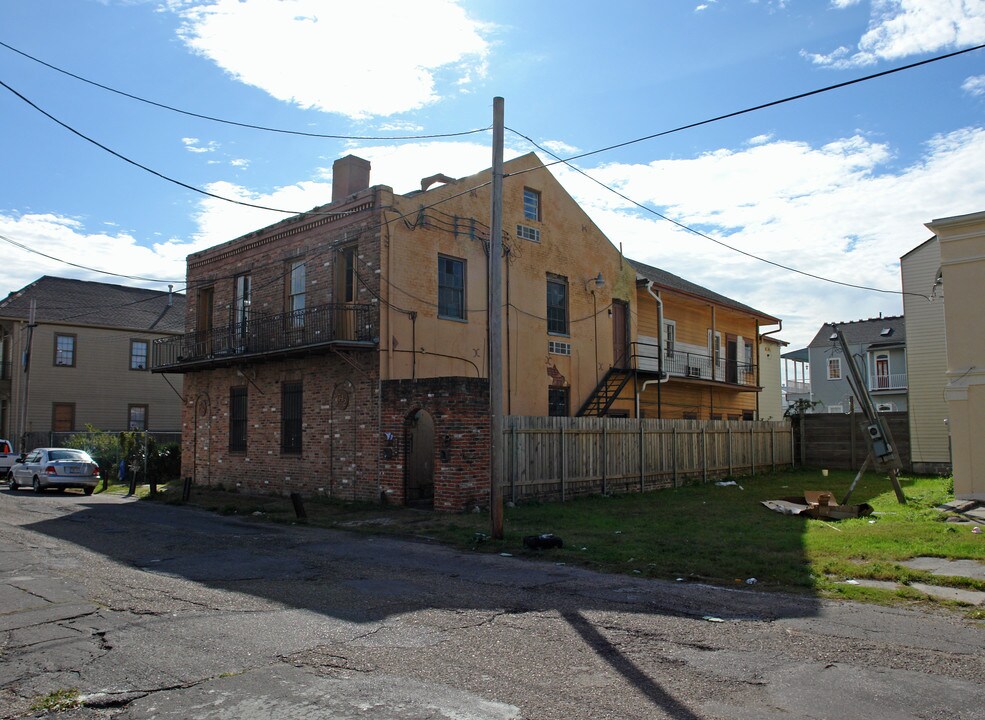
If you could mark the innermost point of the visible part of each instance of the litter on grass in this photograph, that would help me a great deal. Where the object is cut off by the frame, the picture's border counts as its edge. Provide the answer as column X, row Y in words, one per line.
column 818, row 504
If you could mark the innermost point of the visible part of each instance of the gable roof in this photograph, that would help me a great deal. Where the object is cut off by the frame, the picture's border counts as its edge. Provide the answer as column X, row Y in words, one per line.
column 865, row 332
column 80, row 302
column 674, row 282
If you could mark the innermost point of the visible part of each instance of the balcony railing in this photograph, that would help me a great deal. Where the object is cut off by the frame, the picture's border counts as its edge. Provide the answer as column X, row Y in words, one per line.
column 798, row 387
column 696, row 366
column 890, row 381
column 280, row 334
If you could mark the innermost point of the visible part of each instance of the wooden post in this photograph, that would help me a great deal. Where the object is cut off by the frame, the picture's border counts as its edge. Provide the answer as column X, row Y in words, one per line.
column 752, row 449
column 773, row 448
column 729, row 436
column 793, row 449
column 673, row 451
column 642, row 459
column 299, row 507
column 564, row 465
column 605, row 455
column 704, row 454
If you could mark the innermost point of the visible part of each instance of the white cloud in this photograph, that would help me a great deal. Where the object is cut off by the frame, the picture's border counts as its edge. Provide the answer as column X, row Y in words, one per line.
column 369, row 58
column 194, row 145
column 67, row 239
column 902, row 28
column 240, row 163
column 559, row 147
column 974, row 85
column 836, row 211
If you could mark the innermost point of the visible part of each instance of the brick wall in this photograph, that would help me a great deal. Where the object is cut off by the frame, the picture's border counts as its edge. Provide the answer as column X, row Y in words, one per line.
column 460, row 408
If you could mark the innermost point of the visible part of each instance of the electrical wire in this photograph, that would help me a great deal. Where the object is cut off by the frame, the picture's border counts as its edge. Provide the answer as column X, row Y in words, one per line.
column 694, row 231
column 155, row 172
column 86, row 267
column 773, row 103
column 223, row 121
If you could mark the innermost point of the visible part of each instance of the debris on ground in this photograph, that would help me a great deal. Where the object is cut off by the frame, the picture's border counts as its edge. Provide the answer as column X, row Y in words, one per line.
column 544, row 541
column 818, row 504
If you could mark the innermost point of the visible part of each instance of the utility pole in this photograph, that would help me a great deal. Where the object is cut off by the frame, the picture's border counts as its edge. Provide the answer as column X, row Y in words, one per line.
column 495, row 323
column 31, row 324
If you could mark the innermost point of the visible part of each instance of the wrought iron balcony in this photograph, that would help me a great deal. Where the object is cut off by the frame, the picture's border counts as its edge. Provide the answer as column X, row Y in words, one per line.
column 267, row 337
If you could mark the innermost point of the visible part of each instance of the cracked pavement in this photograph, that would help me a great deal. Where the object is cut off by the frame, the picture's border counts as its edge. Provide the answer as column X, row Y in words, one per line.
column 154, row 611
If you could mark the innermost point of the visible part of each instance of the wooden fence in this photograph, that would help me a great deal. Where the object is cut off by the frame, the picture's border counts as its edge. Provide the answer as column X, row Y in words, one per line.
column 560, row 457
column 838, row 441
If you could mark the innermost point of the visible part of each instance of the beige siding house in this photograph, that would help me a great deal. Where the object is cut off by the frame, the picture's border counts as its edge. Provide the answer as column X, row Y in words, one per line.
column 962, row 244
column 89, row 359
column 926, row 354
column 771, row 397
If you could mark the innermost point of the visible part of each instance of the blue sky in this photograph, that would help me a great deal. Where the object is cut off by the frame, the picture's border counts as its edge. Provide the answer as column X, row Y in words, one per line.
column 838, row 184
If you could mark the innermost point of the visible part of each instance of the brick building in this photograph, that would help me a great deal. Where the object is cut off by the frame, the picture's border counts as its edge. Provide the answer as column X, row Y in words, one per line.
column 343, row 351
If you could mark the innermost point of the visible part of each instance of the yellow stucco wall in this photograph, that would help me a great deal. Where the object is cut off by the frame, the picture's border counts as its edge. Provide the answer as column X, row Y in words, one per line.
column 570, row 246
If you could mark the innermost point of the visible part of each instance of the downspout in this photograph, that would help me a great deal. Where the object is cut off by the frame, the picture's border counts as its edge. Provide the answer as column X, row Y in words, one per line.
column 661, row 378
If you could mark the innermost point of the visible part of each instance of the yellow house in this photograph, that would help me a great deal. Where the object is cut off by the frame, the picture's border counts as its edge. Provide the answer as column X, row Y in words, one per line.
column 962, row 252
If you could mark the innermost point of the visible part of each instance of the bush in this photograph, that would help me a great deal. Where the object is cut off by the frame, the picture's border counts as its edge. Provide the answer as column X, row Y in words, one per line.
column 107, row 449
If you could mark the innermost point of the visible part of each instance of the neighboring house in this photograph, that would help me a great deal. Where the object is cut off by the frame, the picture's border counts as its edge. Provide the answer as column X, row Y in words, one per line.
column 879, row 348
column 796, row 378
column 962, row 252
column 343, row 351
column 771, row 406
column 926, row 358
column 89, row 358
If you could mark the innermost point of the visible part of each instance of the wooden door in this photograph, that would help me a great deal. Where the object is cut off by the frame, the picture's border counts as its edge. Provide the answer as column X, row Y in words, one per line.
column 419, row 489
column 620, row 334
column 63, row 417
column 731, row 359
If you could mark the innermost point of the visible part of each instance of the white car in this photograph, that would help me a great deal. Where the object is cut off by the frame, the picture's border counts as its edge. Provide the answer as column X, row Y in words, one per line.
column 7, row 457
column 60, row 468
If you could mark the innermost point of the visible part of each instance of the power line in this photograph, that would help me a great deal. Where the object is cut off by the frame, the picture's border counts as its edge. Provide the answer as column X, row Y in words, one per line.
column 86, row 267
column 692, row 230
column 223, row 121
column 155, row 172
column 772, row 103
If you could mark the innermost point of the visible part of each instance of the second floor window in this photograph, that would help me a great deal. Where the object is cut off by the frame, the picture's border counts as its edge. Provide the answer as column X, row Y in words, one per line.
column 347, row 275
column 451, row 288
column 296, row 293
column 65, row 350
column 243, row 292
column 557, row 305
column 834, row 368
column 138, row 354
column 531, row 204
column 670, row 338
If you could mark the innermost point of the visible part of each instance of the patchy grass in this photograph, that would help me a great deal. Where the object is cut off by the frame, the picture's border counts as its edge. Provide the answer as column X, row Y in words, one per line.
column 57, row 701
column 707, row 533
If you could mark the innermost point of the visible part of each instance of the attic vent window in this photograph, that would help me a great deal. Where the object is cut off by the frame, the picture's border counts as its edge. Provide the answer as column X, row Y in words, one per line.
column 886, row 332
column 525, row 232
column 555, row 347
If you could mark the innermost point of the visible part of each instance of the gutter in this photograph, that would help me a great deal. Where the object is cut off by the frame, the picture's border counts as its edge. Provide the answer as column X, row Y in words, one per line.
column 661, row 377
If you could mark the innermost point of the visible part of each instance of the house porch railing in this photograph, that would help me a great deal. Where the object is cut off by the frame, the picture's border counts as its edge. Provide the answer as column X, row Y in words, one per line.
column 697, row 366
column 277, row 334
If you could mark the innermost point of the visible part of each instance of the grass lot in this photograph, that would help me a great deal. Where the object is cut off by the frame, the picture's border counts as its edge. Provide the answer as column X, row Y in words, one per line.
column 703, row 533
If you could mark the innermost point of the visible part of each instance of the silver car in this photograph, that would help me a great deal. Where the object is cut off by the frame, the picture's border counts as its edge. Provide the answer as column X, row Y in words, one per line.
column 60, row 468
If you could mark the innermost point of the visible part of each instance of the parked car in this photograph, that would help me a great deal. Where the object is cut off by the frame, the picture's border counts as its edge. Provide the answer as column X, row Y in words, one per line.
column 7, row 457
column 59, row 468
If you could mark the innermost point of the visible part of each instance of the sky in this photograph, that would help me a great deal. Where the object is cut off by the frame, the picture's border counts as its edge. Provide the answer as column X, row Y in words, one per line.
column 838, row 184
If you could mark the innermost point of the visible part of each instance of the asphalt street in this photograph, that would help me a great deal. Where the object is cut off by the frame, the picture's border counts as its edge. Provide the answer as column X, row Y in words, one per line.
column 154, row 611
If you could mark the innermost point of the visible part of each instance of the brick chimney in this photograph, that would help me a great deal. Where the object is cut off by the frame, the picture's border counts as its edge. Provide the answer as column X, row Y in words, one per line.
column 349, row 175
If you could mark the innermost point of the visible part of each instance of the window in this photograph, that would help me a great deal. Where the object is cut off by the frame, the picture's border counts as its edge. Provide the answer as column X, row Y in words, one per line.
column 525, row 232
column 296, row 293
column 748, row 415
column 138, row 354
column 65, row 350
column 557, row 305
column 834, row 369
column 242, row 299
column 555, row 347
column 347, row 275
column 557, row 402
column 290, row 418
column 137, row 417
column 237, row 419
column 670, row 337
column 531, row 204
column 836, row 408
column 451, row 288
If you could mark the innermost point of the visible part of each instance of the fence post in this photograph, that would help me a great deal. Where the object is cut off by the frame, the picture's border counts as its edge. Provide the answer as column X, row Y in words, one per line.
column 605, row 453
column 564, row 464
column 729, row 436
column 793, row 448
column 642, row 459
column 752, row 448
column 773, row 447
column 673, row 450
column 704, row 454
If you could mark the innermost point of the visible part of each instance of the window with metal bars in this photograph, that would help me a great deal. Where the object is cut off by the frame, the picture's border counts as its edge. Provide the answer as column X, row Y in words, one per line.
column 290, row 418
column 237, row 418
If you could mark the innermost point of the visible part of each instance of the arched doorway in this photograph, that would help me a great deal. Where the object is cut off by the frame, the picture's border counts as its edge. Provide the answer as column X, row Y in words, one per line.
column 419, row 460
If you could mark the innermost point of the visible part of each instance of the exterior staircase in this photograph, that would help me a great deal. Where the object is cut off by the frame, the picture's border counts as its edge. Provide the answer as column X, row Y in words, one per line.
column 606, row 392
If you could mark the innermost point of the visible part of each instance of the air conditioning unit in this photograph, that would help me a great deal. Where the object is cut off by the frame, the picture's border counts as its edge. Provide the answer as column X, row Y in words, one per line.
column 694, row 372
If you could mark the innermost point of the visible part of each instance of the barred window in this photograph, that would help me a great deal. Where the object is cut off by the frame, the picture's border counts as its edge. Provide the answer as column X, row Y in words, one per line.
column 290, row 418
column 237, row 418
column 557, row 305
